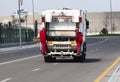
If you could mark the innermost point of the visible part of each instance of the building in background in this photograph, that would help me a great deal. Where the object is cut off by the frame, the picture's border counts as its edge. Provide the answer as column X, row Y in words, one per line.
column 100, row 20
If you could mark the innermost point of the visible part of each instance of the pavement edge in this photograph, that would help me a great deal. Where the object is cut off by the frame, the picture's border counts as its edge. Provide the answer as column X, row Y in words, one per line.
column 99, row 78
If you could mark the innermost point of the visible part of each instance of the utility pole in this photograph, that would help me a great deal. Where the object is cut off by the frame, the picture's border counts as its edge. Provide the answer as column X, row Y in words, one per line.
column 20, row 2
column 33, row 17
column 19, row 10
column 111, row 15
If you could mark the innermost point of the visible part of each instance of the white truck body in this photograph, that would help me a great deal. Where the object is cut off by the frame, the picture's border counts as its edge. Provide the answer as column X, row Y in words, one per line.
column 61, row 25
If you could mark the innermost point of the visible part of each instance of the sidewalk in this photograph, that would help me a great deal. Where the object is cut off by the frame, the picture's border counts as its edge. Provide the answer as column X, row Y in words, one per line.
column 19, row 48
column 116, row 75
column 113, row 75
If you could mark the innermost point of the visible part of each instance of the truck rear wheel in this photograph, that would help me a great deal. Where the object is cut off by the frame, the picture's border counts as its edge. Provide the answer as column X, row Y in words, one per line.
column 83, row 56
column 80, row 58
column 49, row 59
column 46, row 58
column 77, row 58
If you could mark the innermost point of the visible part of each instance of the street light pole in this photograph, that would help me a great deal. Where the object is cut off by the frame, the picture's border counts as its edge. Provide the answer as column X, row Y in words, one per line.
column 33, row 17
column 19, row 13
column 111, row 15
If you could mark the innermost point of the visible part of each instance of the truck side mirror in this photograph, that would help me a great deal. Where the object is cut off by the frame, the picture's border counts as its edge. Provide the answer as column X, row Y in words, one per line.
column 87, row 24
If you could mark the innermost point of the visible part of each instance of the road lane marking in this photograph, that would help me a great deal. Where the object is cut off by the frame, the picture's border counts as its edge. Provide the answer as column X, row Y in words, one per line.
column 97, row 42
column 11, row 54
column 108, row 70
column 96, row 49
column 5, row 80
column 55, row 63
column 36, row 69
column 18, row 60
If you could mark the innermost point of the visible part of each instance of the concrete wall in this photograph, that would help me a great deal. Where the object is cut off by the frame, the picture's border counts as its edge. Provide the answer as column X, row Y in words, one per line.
column 98, row 20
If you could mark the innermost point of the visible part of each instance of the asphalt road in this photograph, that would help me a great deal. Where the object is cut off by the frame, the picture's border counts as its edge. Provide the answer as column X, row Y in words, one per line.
column 28, row 65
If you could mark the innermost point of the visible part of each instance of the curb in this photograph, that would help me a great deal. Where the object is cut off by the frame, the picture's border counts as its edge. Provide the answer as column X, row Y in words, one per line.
column 19, row 48
column 101, row 76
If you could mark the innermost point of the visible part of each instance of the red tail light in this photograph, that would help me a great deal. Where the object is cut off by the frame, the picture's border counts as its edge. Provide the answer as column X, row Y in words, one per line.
column 80, row 19
column 43, row 19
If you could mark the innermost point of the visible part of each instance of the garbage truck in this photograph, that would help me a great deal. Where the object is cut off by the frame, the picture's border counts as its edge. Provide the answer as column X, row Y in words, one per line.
column 60, row 31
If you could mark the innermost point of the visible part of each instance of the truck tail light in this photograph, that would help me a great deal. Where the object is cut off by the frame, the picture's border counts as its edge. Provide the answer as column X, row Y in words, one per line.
column 43, row 19
column 49, row 42
column 73, row 42
column 80, row 19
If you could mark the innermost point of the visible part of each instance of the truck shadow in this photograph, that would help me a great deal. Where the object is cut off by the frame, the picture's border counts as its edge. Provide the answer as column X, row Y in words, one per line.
column 72, row 60
column 92, row 60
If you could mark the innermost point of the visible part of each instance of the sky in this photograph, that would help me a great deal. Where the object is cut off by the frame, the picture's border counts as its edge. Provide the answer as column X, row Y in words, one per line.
column 8, row 7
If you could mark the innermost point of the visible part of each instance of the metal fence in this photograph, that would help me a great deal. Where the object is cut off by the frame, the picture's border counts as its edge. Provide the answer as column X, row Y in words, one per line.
column 12, row 35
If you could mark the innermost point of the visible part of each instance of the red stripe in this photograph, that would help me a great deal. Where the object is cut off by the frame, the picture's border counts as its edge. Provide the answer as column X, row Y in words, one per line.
column 62, row 16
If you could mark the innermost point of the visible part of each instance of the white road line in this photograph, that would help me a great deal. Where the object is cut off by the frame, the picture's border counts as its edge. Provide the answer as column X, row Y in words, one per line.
column 55, row 63
column 36, row 69
column 18, row 60
column 96, row 49
column 97, row 42
column 5, row 80
column 12, row 54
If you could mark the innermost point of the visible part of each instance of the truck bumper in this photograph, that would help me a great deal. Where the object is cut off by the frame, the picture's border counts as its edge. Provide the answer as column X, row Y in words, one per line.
column 62, row 49
column 62, row 54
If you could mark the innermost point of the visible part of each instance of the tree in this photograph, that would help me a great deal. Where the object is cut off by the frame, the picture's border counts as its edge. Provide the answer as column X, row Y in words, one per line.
column 104, row 31
column 9, row 24
column 105, row 21
column 22, row 20
column 113, row 27
column 14, row 21
column 1, row 25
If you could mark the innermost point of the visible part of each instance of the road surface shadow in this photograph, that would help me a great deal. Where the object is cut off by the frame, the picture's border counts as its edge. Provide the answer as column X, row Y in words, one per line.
column 91, row 60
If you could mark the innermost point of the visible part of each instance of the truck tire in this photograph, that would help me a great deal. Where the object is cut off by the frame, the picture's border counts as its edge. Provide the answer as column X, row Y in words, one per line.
column 49, row 59
column 77, row 58
column 83, row 56
column 84, row 47
column 46, row 58
column 80, row 58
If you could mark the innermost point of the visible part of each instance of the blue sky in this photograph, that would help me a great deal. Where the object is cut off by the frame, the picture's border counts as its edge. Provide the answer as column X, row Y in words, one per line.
column 7, row 7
